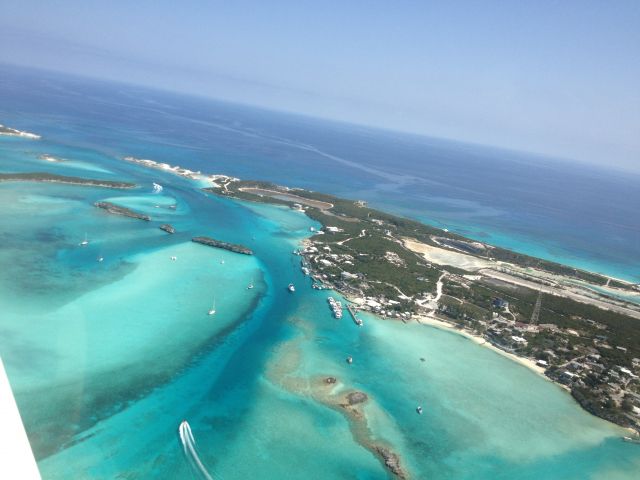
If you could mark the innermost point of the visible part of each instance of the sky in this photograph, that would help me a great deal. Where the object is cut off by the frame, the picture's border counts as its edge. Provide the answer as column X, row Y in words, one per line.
column 560, row 78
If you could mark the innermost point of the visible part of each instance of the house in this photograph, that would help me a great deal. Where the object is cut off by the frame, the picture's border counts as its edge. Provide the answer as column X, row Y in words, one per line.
column 500, row 303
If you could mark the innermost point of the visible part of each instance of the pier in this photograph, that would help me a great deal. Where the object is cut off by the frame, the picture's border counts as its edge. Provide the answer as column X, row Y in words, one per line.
column 353, row 312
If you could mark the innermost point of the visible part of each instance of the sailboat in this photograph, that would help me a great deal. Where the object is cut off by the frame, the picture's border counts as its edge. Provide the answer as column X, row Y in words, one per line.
column 85, row 242
column 212, row 311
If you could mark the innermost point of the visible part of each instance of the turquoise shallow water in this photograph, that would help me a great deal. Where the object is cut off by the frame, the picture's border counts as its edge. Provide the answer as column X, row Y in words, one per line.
column 579, row 215
column 107, row 358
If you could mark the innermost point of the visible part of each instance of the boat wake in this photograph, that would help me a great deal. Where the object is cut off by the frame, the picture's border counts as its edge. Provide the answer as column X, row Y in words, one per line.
column 189, row 447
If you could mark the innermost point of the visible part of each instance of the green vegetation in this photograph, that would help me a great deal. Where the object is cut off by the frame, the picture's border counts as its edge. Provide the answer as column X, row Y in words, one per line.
column 594, row 352
column 54, row 178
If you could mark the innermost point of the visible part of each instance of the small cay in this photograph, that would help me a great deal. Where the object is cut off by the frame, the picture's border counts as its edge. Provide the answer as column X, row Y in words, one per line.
column 53, row 178
column 232, row 247
column 125, row 212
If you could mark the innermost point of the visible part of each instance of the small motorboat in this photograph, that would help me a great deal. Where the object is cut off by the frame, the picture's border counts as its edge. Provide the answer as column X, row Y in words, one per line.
column 85, row 242
column 174, row 258
column 419, row 410
column 212, row 311
column 291, row 287
column 349, row 360
column 100, row 259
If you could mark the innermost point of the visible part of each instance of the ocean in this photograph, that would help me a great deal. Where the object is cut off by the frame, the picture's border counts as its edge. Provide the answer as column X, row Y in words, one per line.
column 576, row 214
column 107, row 358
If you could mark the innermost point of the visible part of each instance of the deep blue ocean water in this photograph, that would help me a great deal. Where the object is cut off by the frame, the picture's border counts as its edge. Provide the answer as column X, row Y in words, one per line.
column 576, row 214
column 107, row 358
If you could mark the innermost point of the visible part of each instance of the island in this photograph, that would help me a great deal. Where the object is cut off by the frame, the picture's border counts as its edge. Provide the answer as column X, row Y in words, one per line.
column 232, row 247
column 50, row 158
column 44, row 177
column 577, row 328
column 123, row 211
column 12, row 132
column 167, row 228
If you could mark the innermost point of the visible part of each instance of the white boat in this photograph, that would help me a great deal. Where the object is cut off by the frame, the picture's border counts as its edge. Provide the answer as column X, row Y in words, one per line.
column 174, row 258
column 157, row 188
column 222, row 262
column 336, row 307
column 100, row 259
column 250, row 286
column 291, row 288
column 419, row 410
column 85, row 242
column 212, row 311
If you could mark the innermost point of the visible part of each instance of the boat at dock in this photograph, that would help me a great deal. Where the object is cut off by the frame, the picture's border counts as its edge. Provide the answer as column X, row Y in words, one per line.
column 336, row 307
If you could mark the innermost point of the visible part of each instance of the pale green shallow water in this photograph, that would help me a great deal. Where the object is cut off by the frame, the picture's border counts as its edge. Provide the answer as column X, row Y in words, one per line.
column 106, row 358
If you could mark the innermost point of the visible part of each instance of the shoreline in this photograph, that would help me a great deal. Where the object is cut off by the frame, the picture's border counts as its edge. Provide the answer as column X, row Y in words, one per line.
column 425, row 318
column 483, row 342
column 523, row 361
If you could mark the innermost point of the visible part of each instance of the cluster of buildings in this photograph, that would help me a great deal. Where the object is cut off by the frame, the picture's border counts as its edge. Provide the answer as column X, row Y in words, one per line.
column 570, row 357
column 330, row 270
column 578, row 365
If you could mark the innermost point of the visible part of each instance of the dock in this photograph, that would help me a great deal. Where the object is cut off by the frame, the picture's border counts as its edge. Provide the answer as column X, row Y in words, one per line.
column 352, row 311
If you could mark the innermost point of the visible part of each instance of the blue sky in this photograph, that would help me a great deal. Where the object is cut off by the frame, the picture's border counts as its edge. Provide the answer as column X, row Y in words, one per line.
column 561, row 78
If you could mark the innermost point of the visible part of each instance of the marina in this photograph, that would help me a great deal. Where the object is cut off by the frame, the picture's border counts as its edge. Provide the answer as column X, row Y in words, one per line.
column 336, row 307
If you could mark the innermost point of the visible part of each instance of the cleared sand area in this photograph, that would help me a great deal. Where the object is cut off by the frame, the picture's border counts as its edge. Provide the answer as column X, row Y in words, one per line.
column 443, row 256
column 288, row 196
column 529, row 278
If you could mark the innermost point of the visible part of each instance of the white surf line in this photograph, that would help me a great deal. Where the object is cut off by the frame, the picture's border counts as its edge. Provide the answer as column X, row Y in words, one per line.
column 189, row 447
